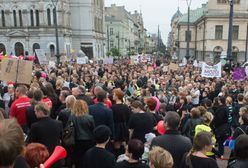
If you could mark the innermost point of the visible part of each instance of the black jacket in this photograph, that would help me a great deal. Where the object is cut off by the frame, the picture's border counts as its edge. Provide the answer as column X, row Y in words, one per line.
column 84, row 126
column 87, row 99
column 102, row 115
column 220, row 116
column 30, row 116
column 238, row 164
column 47, row 132
column 174, row 143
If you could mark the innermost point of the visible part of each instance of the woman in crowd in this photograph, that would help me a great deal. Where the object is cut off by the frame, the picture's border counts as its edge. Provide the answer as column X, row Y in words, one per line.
column 140, row 122
column 65, row 113
column 243, row 128
column 240, row 153
column 197, row 157
column 84, row 126
column 160, row 158
column 121, row 114
column 222, row 129
column 35, row 154
column 134, row 152
column 8, row 96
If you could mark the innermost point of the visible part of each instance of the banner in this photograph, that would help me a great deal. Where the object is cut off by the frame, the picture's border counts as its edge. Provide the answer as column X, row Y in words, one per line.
column 15, row 70
column 81, row 60
column 239, row 74
column 41, row 57
column 211, row 71
column 109, row 60
column 173, row 66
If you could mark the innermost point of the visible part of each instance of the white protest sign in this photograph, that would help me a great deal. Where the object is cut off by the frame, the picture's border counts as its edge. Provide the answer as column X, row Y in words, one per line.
column 41, row 56
column 246, row 70
column 109, row 60
column 81, row 60
column 211, row 71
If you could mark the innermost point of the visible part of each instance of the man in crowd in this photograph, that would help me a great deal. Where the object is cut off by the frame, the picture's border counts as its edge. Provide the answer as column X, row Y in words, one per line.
column 18, row 107
column 173, row 141
column 102, row 115
column 46, row 131
column 79, row 93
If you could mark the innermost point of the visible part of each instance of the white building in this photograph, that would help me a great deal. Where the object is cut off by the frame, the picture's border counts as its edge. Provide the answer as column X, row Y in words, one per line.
column 26, row 25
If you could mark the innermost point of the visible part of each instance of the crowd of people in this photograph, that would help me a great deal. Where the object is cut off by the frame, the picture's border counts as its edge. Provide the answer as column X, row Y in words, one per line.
column 112, row 112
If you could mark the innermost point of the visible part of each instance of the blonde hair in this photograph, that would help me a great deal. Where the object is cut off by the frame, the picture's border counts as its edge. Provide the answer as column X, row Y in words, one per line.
column 59, row 84
column 70, row 101
column 160, row 158
column 80, row 108
column 207, row 117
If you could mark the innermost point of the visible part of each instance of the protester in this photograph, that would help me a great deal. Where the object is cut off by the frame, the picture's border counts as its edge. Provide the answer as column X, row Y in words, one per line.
column 84, row 126
column 35, row 154
column 79, row 93
column 98, row 156
column 179, row 145
column 240, row 153
column 11, row 144
column 8, row 96
column 134, row 152
column 160, row 158
column 141, row 122
column 45, row 131
column 18, row 107
column 102, row 115
column 197, row 156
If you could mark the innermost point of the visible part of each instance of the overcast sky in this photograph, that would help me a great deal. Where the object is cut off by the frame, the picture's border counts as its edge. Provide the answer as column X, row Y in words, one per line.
column 156, row 12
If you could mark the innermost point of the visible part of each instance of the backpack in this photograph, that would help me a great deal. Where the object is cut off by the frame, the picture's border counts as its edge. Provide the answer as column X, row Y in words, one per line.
column 68, row 135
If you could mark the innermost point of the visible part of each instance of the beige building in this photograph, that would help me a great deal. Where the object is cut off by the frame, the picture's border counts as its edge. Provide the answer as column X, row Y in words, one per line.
column 209, row 31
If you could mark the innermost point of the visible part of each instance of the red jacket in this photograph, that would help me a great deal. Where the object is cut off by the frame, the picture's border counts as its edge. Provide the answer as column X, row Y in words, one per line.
column 107, row 102
column 18, row 109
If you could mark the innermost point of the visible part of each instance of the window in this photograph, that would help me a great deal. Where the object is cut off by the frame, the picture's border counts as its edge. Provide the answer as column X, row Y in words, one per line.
column 20, row 18
column 2, row 49
column 111, row 31
column 32, row 18
column 19, row 49
column 14, row 16
column 235, row 32
column 54, row 16
column 187, row 35
column 111, row 44
column 3, row 18
column 35, row 46
column 227, row 1
column 37, row 18
column 49, row 17
column 218, row 32
column 52, row 50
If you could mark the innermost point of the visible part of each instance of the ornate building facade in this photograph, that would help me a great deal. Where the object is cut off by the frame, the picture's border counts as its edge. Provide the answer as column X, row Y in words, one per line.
column 27, row 25
column 209, row 31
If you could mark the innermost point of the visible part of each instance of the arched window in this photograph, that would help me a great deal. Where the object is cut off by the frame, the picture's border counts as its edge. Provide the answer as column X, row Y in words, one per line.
column 2, row 48
column 31, row 18
column 19, row 49
column 52, row 50
column 54, row 15
column 20, row 18
column 3, row 18
column 15, row 19
column 37, row 18
column 35, row 46
column 49, row 17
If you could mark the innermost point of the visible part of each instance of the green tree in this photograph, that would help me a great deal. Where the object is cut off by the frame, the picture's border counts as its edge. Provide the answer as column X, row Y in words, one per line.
column 115, row 52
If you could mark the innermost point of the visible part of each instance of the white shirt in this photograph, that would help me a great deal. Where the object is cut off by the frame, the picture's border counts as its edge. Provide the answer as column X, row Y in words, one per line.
column 196, row 98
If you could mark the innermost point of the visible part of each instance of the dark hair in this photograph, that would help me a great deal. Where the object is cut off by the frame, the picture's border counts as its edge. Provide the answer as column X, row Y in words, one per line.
column 222, row 100
column 101, row 134
column 11, row 141
column 241, row 147
column 37, row 95
column 101, row 96
column 136, row 148
column 137, row 104
column 172, row 119
column 201, row 140
column 245, row 118
column 64, row 94
column 208, row 103
column 240, row 97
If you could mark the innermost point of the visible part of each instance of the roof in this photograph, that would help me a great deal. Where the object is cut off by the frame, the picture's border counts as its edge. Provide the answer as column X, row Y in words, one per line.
column 194, row 15
column 177, row 15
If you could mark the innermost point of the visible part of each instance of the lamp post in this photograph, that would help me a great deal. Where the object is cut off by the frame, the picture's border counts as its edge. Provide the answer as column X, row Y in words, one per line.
column 55, row 2
column 230, row 32
column 187, row 56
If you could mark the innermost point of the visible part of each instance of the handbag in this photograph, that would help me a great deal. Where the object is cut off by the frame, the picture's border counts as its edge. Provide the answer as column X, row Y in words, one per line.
column 68, row 135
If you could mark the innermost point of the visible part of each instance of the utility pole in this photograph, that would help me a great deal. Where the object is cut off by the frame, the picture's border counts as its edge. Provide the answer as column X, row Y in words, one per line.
column 246, row 50
column 158, row 45
column 108, row 37
column 230, row 33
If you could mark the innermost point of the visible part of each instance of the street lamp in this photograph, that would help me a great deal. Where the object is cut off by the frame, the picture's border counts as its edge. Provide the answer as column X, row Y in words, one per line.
column 187, row 56
column 55, row 2
column 229, row 47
